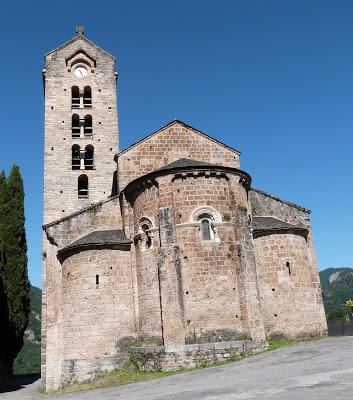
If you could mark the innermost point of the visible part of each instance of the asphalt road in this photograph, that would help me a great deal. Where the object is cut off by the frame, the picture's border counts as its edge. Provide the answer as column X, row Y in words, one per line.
column 313, row 370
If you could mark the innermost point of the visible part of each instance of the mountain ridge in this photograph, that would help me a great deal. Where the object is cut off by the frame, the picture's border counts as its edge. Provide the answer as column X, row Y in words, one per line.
column 28, row 359
column 337, row 287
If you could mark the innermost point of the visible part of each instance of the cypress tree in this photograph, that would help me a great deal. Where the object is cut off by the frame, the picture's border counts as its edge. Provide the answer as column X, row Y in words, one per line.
column 15, row 279
column 4, row 314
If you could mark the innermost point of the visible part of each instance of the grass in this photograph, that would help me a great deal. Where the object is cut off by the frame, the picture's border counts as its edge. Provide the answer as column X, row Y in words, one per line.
column 277, row 343
column 130, row 373
column 116, row 377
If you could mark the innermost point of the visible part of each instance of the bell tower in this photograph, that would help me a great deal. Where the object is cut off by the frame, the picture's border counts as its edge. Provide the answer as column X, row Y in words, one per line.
column 81, row 126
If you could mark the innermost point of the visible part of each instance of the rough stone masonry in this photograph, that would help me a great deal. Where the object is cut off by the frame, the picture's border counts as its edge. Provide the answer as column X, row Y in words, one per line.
column 162, row 251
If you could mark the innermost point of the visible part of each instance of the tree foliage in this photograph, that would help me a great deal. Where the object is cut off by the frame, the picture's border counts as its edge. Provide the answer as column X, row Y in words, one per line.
column 14, row 283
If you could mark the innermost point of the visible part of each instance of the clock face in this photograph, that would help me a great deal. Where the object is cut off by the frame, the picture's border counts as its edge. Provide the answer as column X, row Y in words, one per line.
column 81, row 72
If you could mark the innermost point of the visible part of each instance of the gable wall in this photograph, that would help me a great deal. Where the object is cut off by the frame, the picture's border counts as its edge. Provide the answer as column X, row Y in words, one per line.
column 104, row 216
column 263, row 204
column 170, row 144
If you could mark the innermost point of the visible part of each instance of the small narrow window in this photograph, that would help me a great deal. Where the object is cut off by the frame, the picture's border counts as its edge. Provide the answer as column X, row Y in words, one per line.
column 289, row 268
column 75, row 126
column 89, row 151
column 205, row 229
column 75, row 97
column 88, row 125
column 145, row 229
column 97, row 279
column 87, row 96
column 75, row 156
column 146, row 235
column 83, row 187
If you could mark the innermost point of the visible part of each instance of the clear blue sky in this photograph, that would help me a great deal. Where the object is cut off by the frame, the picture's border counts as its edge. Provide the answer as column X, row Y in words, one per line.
column 274, row 79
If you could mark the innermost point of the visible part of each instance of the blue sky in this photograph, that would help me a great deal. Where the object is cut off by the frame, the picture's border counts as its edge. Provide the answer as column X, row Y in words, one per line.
column 274, row 79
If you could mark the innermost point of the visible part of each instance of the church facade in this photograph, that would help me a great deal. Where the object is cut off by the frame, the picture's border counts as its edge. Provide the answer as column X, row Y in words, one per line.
column 163, row 251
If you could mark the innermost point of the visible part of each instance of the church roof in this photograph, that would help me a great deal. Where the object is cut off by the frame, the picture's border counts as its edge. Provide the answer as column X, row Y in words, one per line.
column 185, row 163
column 99, row 238
column 270, row 225
column 177, row 121
column 76, row 38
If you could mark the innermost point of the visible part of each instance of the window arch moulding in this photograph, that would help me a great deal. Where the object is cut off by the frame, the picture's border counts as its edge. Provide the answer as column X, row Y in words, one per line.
column 206, row 217
column 80, row 58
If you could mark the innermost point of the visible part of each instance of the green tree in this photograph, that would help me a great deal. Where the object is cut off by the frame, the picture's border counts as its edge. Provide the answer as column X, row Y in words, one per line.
column 13, row 269
column 4, row 314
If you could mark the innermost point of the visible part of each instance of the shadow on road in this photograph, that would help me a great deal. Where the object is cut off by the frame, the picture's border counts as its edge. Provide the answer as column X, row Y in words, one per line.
column 19, row 382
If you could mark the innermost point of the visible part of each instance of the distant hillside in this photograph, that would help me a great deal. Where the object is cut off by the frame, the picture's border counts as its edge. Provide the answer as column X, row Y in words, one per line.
column 28, row 359
column 337, row 287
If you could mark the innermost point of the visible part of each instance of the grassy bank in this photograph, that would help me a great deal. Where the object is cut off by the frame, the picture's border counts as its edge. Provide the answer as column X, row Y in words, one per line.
column 131, row 374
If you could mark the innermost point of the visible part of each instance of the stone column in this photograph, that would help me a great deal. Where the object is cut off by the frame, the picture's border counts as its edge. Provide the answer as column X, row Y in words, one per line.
column 169, row 270
column 253, row 321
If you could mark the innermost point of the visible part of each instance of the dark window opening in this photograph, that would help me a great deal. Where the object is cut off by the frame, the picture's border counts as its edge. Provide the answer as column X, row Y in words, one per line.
column 97, row 279
column 83, row 187
column 75, row 97
column 89, row 152
column 145, row 228
column 88, row 125
column 87, row 97
column 75, row 126
column 289, row 268
column 75, row 156
column 205, row 229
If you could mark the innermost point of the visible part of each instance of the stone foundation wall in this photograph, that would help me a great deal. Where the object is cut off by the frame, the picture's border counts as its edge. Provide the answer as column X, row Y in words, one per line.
column 86, row 369
column 175, row 357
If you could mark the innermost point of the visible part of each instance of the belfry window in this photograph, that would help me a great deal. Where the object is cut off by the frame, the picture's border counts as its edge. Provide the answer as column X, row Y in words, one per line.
column 83, row 187
column 89, row 152
column 75, row 156
column 88, row 125
column 87, row 96
column 75, row 97
column 75, row 126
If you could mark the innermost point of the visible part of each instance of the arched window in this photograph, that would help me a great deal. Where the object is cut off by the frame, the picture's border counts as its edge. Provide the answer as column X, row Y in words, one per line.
column 75, row 97
column 88, row 125
column 87, row 97
column 145, row 231
column 89, row 152
column 82, row 187
column 75, row 126
column 207, row 217
column 75, row 156
column 205, row 229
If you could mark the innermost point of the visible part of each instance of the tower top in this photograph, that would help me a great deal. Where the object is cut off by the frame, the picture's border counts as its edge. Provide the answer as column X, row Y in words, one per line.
column 80, row 30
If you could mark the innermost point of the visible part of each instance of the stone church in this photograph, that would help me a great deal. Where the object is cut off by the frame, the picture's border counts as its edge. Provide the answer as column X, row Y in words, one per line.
column 163, row 250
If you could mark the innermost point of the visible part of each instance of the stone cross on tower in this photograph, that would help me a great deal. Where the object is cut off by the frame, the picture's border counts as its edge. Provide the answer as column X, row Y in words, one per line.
column 80, row 29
